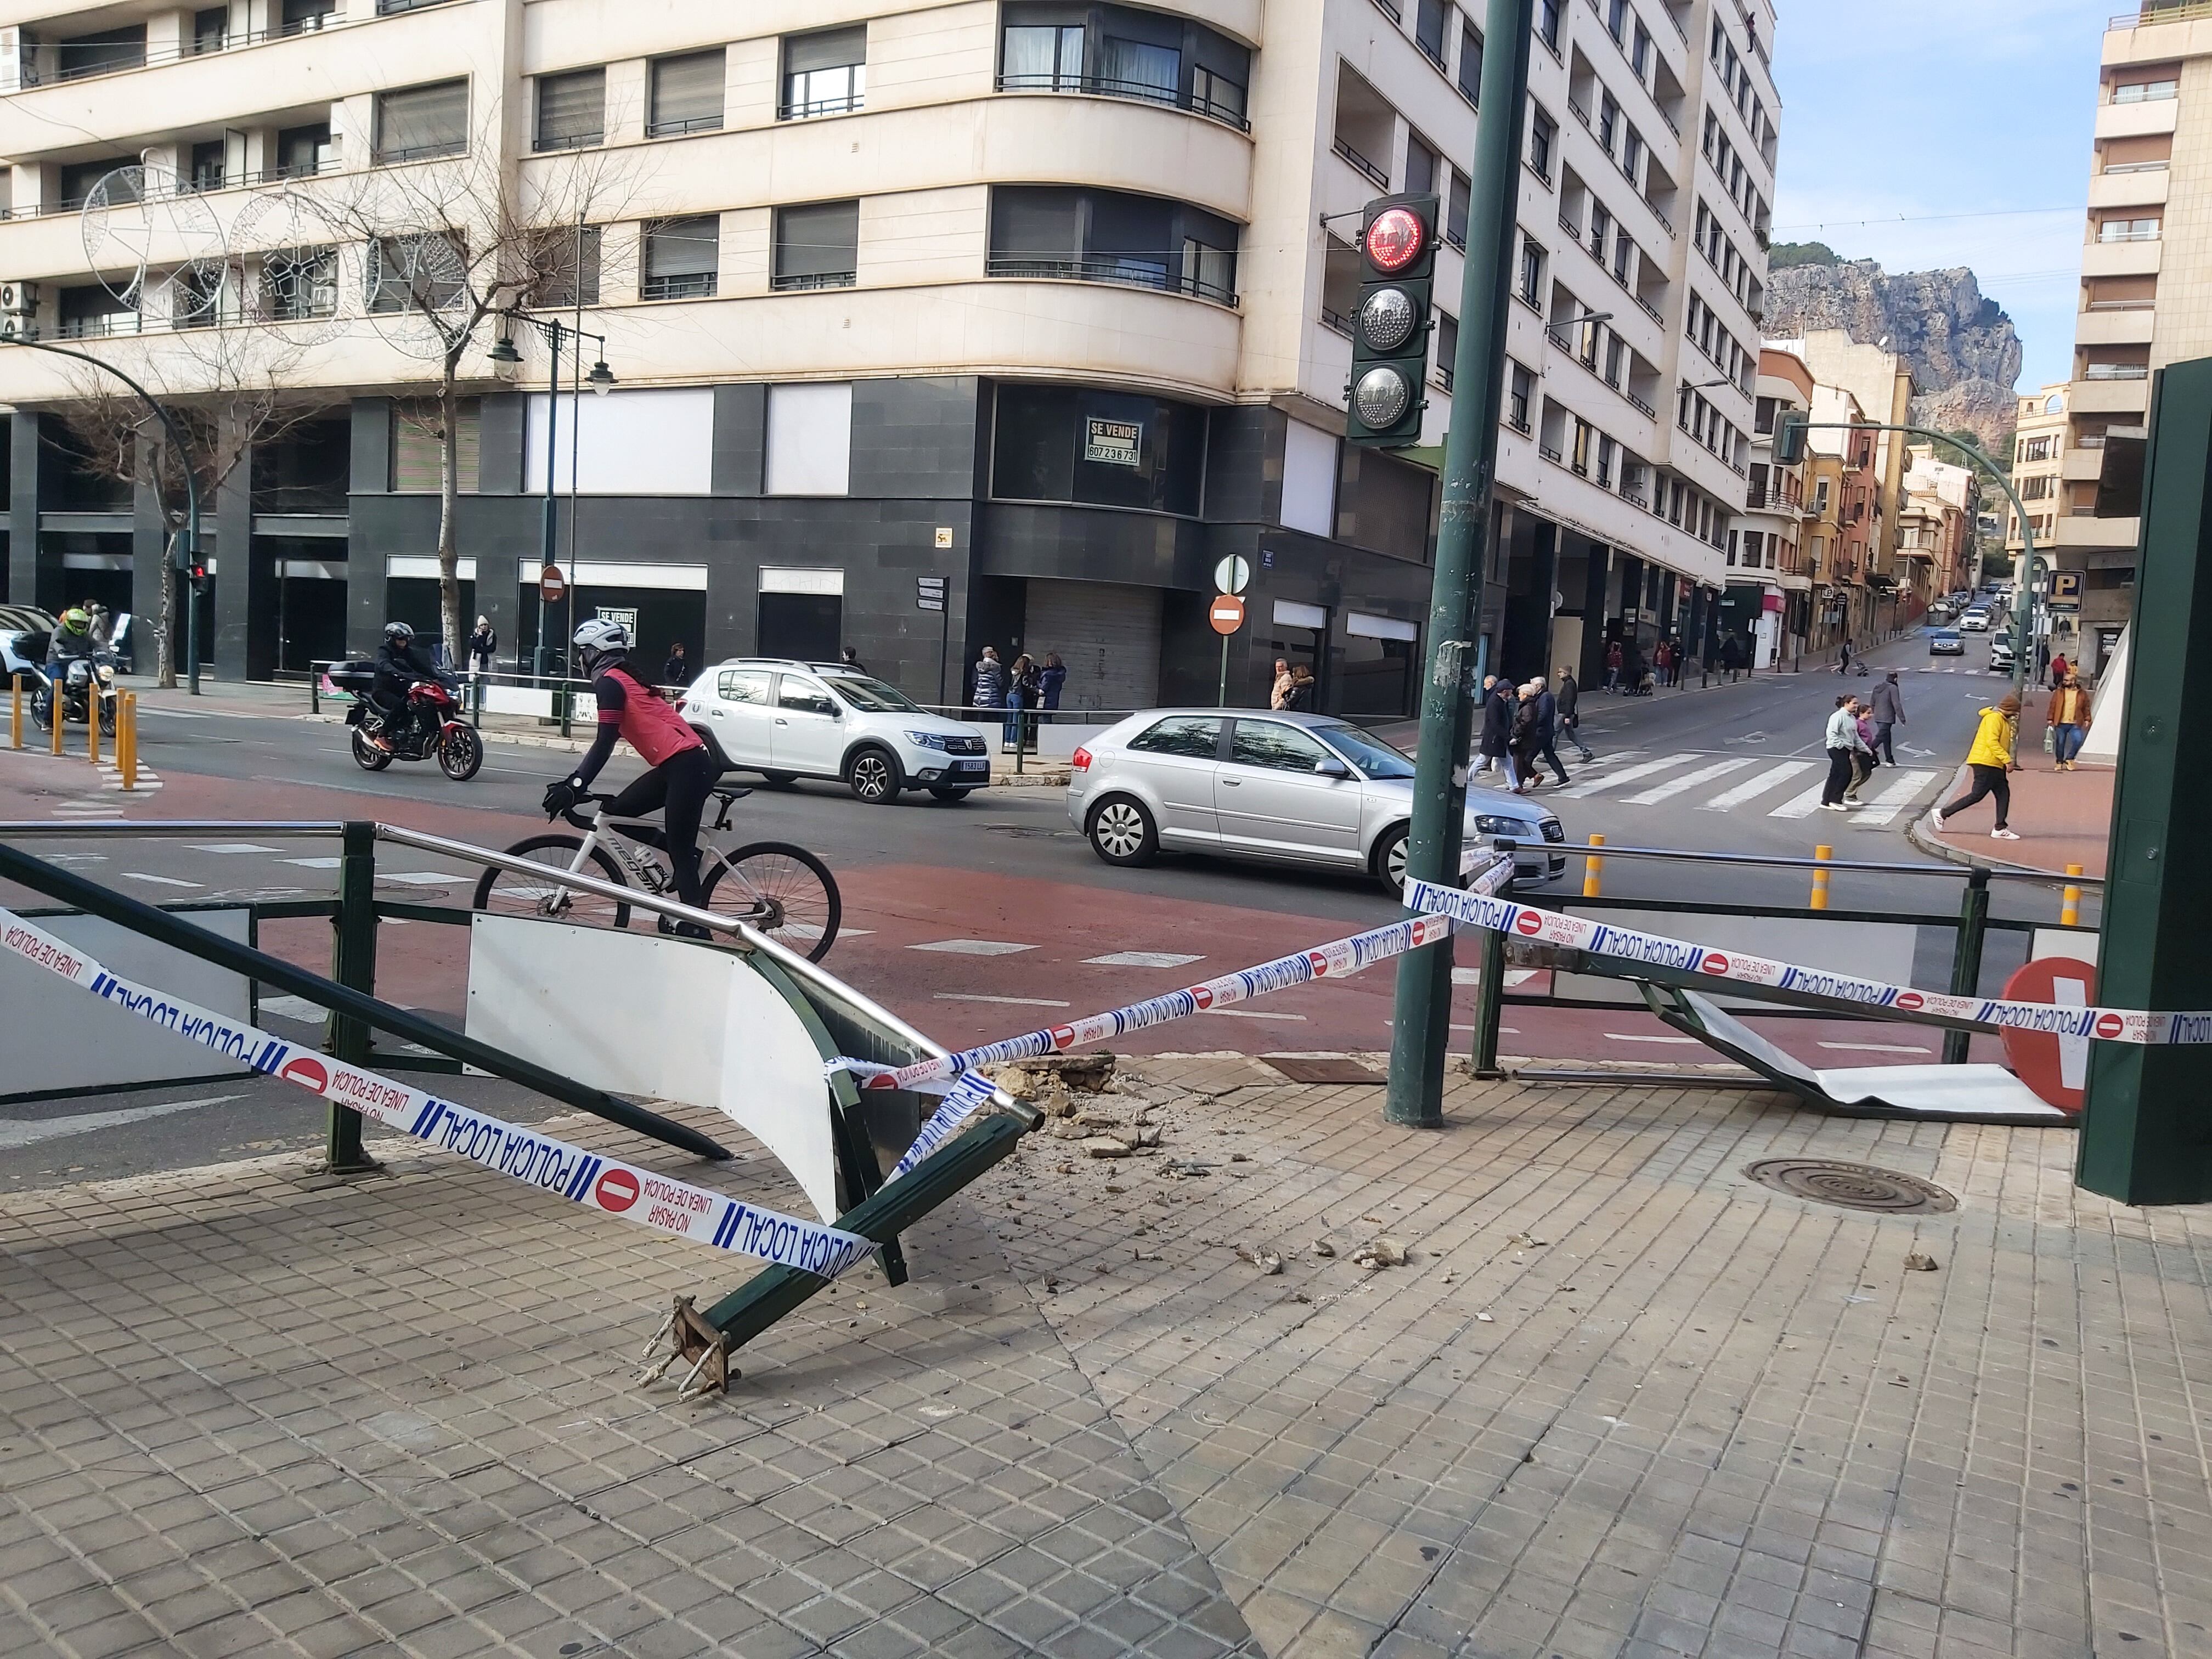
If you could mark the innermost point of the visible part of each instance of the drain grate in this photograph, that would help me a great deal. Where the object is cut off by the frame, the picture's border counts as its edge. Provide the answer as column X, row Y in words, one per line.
column 1322, row 1069
column 1853, row 1186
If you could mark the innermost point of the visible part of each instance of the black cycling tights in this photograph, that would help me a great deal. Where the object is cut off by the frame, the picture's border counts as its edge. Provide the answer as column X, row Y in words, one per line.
column 677, row 789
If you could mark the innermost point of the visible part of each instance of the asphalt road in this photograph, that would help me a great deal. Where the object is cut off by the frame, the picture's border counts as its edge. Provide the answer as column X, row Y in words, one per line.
column 985, row 919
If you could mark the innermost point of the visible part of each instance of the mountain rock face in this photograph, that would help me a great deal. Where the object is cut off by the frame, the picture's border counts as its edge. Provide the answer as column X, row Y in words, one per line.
column 1963, row 354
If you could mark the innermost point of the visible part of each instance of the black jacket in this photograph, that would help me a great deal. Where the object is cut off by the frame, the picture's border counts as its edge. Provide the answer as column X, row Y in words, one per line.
column 1497, row 723
column 1547, row 717
column 1569, row 695
column 399, row 667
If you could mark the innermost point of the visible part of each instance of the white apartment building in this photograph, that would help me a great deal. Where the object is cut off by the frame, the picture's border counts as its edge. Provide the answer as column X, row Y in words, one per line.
column 2038, row 455
column 1041, row 298
column 1768, row 600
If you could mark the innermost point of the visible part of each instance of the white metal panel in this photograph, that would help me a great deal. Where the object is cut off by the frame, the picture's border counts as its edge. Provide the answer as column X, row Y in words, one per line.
column 1379, row 628
column 787, row 580
column 590, row 573
column 1107, row 634
column 628, row 443
column 1289, row 613
column 1308, row 480
column 416, row 566
column 810, row 439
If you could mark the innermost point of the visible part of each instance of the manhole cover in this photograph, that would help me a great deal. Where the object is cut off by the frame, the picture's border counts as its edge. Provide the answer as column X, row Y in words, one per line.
column 1322, row 1070
column 1854, row 1185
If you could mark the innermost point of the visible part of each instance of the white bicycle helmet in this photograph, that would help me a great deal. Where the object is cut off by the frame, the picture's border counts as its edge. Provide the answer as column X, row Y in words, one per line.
column 599, row 638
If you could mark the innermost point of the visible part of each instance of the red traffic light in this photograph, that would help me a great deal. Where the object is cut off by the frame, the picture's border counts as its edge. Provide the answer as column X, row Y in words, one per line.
column 1395, row 239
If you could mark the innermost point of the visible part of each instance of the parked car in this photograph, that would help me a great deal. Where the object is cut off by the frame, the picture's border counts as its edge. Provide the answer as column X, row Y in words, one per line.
column 1976, row 620
column 24, row 631
column 789, row 719
column 1307, row 789
column 1944, row 642
column 2000, row 654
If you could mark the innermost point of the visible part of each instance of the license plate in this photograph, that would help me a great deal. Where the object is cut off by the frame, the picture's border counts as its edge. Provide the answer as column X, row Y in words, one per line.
column 971, row 766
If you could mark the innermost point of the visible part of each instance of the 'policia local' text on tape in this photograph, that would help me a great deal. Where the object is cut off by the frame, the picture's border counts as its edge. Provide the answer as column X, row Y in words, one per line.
column 624, row 1190
column 1581, row 934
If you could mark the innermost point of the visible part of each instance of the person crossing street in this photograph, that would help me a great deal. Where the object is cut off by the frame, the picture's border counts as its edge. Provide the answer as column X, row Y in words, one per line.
column 1570, row 722
column 1888, row 706
column 1989, row 760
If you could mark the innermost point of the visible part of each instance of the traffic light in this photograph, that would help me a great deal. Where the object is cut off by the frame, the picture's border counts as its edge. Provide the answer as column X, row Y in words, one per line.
column 1789, row 436
column 1390, row 329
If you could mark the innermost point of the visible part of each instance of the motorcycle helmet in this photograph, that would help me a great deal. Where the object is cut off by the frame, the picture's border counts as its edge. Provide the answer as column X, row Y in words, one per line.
column 598, row 639
column 76, row 620
column 399, row 633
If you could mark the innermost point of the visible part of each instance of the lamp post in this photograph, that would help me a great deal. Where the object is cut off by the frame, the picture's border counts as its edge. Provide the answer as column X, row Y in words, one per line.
column 12, row 336
column 601, row 380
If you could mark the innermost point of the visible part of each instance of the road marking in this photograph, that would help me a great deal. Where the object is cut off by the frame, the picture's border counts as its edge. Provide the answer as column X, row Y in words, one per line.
column 1628, row 774
column 1630, row 1037
column 17, row 1133
column 1894, row 799
column 1773, row 778
column 314, row 864
column 289, row 1008
column 1513, row 975
column 1877, row 1048
column 230, row 847
column 75, row 857
column 972, row 947
column 1252, row 1014
column 422, row 879
column 158, row 881
column 1009, row 1002
column 1142, row 960
column 1801, row 806
column 1674, row 787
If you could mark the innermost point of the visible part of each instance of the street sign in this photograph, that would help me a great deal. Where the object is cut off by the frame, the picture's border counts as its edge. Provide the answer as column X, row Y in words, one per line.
column 1227, row 614
column 2066, row 585
column 1232, row 575
column 929, row 593
column 551, row 585
column 2056, row 1067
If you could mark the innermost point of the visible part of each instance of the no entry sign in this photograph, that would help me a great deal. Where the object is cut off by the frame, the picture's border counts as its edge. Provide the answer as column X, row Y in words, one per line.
column 1227, row 613
column 551, row 585
column 2056, row 1067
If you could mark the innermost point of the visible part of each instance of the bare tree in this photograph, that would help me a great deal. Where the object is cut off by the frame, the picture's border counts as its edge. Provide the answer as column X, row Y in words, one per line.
column 444, row 246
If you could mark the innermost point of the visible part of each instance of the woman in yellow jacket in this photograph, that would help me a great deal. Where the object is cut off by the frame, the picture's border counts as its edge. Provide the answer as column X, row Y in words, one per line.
column 1990, row 760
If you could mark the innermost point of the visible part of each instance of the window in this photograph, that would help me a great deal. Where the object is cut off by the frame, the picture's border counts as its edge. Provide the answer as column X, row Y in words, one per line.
column 1624, row 257
column 1420, row 166
column 1548, row 24
column 683, row 258
column 1447, row 348
column 1140, row 68
column 1215, row 94
column 2128, row 230
column 686, row 94
column 425, row 272
column 416, row 124
column 1193, row 736
column 1429, row 18
column 1097, row 447
column 211, row 29
column 207, row 166
column 746, row 686
column 571, row 109
column 1277, row 747
column 1532, row 271
column 817, row 245
column 1607, row 451
column 1762, row 415
column 570, row 263
column 79, row 178
column 1520, row 388
column 824, row 73
column 1042, row 57
column 1112, row 236
column 803, row 696
column 1820, row 497
column 1455, row 210
column 417, row 441
column 810, row 439
column 299, row 283
column 2145, row 91
column 302, row 16
column 303, row 152
column 1470, row 62
column 1543, row 135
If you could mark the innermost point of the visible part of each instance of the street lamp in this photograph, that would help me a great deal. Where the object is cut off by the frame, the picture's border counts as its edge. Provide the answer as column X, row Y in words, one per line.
column 601, row 380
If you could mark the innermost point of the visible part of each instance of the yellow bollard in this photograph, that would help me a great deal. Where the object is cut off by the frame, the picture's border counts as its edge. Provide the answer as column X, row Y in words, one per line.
column 1593, row 869
column 126, row 738
column 92, row 728
column 54, row 715
column 1819, row 901
column 16, row 713
column 2069, row 901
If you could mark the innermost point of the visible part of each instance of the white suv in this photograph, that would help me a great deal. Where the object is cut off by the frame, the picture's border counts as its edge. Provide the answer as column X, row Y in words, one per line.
column 787, row 720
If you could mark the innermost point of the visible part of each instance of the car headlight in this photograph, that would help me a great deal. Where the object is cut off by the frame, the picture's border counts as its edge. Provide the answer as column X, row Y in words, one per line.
column 1488, row 826
column 925, row 739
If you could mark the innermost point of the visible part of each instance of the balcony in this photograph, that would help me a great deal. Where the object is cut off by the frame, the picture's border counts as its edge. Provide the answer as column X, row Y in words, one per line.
column 801, row 281
column 2109, row 397
column 1360, row 164
column 1143, row 92
column 1108, row 267
column 2118, row 188
column 687, row 285
column 2121, row 259
column 2096, row 327
column 2084, row 464
column 2137, row 120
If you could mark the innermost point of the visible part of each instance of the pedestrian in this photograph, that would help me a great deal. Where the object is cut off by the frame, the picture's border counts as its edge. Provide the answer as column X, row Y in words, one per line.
column 2060, row 668
column 1547, row 726
column 990, row 678
column 1863, row 759
column 1299, row 699
column 1990, row 760
column 2070, row 720
column 1614, row 659
column 1570, row 721
column 483, row 645
column 1498, row 702
column 1842, row 744
column 1524, row 742
column 1731, row 655
column 1051, row 677
column 851, row 658
column 1888, row 706
column 1843, row 661
column 1022, row 692
column 676, row 671
column 103, row 633
column 1280, row 690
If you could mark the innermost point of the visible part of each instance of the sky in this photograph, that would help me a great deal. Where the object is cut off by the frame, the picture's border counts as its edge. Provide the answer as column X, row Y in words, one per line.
column 1930, row 133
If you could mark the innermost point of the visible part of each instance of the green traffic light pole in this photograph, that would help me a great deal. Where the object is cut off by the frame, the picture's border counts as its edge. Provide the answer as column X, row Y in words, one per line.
column 1421, row 1029
column 191, row 549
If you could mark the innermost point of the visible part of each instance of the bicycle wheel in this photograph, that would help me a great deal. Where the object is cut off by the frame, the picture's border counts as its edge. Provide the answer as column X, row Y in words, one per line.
column 791, row 891
column 522, row 893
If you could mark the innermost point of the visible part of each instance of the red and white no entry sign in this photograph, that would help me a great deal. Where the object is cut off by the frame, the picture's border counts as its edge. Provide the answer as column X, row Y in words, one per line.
column 1227, row 614
column 2057, row 1068
column 551, row 585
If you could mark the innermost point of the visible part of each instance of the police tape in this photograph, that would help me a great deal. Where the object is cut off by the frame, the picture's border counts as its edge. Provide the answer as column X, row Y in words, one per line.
column 1581, row 934
column 1337, row 959
column 624, row 1190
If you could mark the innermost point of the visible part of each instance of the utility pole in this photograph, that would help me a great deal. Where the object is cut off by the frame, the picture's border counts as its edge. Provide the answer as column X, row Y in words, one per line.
column 1421, row 1029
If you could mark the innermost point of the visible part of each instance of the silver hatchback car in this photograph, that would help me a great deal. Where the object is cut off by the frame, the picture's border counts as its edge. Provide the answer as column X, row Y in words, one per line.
column 1284, row 788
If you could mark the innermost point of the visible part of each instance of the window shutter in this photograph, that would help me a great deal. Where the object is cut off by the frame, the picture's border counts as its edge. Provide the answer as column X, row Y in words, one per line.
column 572, row 109
column 820, row 240
column 685, row 247
column 687, row 92
column 415, row 447
column 422, row 121
column 827, row 50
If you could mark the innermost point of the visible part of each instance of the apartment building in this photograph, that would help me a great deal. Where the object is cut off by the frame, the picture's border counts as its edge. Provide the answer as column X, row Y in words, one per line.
column 1937, row 512
column 1046, row 301
column 2039, row 455
column 1768, row 599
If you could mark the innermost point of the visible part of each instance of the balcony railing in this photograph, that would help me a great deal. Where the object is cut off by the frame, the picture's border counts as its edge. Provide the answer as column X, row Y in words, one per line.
column 800, row 281
column 548, row 143
column 101, row 326
column 678, row 126
column 2117, row 372
column 807, row 109
column 1551, row 455
column 689, row 285
column 434, row 151
column 1643, row 405
column 1106, row 268
column 2152, row 13
column 1337, row 320
column 1361, row 164
column 1143, row 92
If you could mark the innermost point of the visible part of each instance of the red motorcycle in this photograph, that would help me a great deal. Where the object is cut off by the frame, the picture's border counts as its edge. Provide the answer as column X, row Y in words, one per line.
column 428, row 724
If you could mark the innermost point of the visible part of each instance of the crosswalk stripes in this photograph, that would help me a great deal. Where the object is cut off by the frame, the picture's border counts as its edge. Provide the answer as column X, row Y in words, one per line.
column 1899, row 794
column 1689, row 781
column 1626, row 774
column 1802, row 805
column 1752, row 783
column 1773, row 778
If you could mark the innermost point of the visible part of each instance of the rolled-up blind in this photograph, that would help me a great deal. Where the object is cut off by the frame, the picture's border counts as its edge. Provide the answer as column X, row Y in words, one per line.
column 687, row 91
column 417, row 446
column 418, row 121
column 683, row 247
column 572, row 108
column 821, row 238
column 827, row 48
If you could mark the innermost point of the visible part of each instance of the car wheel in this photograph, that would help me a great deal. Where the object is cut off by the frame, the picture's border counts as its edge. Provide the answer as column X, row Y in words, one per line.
column 1390, row 862
column 1121, row 832
column 872, row 775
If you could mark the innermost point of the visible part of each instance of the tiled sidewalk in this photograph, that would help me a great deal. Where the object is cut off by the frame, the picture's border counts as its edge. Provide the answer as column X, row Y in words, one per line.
column 2062, row 817
column 1620, row 1402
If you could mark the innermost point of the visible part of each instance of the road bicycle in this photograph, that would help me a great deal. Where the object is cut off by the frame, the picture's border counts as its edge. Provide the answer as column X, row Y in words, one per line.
column 780, row 890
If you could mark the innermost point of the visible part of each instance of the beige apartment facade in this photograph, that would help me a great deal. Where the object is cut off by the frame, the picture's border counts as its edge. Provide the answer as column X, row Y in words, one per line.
column 1042, row 300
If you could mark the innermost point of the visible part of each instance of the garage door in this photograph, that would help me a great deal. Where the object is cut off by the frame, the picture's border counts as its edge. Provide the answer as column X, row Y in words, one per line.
column 1107, row 634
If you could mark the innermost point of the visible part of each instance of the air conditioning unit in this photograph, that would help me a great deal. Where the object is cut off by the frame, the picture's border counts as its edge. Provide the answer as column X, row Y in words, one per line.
column 19, row 299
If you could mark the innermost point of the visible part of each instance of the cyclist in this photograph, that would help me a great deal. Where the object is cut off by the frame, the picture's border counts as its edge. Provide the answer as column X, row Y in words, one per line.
column 682, row 771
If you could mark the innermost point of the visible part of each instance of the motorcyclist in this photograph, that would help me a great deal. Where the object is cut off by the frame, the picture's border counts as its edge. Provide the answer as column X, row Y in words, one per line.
column 71, row 641
column 682, row 771
column 401, row 664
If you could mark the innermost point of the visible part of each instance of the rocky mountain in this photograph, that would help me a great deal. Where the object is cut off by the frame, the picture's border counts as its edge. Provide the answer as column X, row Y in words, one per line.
column 1964, row 353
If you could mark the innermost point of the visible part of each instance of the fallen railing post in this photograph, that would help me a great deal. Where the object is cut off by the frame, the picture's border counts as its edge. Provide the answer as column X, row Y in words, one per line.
column 1489, row 1003
column 353, row 965
column 1966, row 955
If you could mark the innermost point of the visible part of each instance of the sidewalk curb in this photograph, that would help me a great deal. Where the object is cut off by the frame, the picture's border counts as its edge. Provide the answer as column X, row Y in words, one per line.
column 1917, row 835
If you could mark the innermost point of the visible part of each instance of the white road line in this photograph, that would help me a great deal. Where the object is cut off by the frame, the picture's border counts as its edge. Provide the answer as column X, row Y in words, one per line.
column 289, row 1008
column 1628, row 775
column 1900, row 794
column 1630, row 1037
column 314, row 864
column 1674, row 787
column 1773, row 778
column 158, row 881
column 1513, row 975
column 230, row 847
column 972, row 947
column 1801, row 806
column 1877, row 1048
column 1009, row 1002
column 1252, row 1014
column 1142, row 960
column 423, row 879
column 16, row 1133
